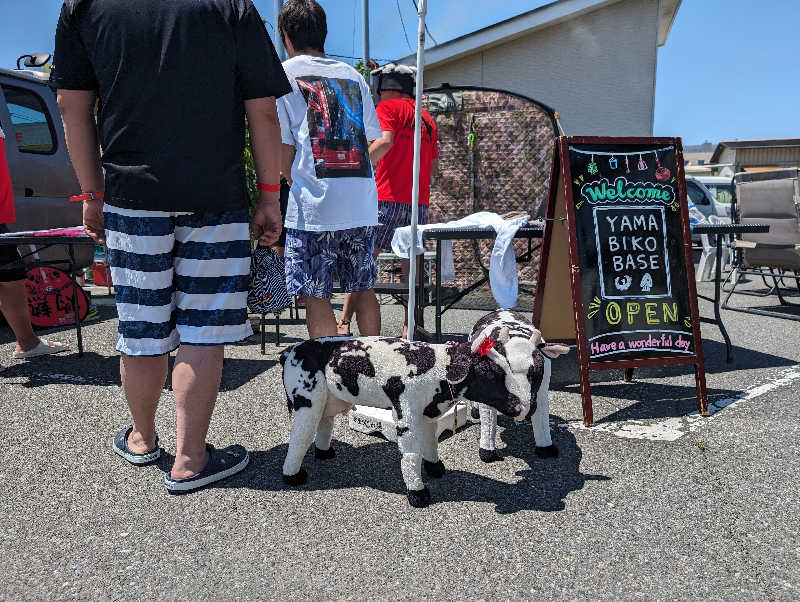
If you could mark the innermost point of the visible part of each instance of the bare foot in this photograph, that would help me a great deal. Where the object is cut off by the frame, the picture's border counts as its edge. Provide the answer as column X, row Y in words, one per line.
column 138, row 444
column 186, row 466
column 343, row 327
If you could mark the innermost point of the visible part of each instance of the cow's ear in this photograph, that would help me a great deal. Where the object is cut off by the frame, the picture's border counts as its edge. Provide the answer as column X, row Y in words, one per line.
column 536, row 338
column 460, row 360
column 504, row 336
column 478, row 341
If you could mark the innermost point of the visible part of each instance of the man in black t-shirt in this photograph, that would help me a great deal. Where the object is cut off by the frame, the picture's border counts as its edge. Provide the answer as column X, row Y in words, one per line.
column 174, row 81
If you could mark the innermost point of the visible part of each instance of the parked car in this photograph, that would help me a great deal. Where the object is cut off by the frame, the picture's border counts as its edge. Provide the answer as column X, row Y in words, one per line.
column 700, row 195
column 721, row 189
column 42, row 176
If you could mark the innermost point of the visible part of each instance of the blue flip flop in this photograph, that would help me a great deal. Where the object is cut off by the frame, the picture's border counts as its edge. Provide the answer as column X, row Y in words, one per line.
column 222, row 463
column 120, row 446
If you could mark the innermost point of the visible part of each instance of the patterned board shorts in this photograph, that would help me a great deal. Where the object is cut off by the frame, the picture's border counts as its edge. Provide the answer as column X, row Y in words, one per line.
column 179, row 278
column 312, row 257
column 393, row 215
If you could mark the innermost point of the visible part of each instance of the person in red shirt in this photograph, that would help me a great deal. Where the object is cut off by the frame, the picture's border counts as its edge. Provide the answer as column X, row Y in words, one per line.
column 393, row 153
column 13, row 297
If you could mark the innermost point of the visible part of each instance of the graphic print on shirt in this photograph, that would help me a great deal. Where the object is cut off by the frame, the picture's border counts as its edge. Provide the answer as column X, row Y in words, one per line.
column 336, row 127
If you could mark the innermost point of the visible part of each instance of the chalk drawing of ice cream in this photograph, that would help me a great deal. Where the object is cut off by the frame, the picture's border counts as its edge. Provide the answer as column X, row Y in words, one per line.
column 647, row 282
column 623, row 283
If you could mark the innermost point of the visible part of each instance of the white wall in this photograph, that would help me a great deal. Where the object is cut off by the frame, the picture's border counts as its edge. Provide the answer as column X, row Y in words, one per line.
column 597, row 70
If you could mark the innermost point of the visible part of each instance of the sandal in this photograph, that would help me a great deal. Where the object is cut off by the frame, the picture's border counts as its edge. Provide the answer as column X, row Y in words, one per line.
column 44, row 347
column 343, row 328
column 222, row 463
column 120, row 446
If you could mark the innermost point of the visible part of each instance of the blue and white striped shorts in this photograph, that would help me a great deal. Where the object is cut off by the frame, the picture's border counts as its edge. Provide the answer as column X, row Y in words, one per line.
column 179, row 278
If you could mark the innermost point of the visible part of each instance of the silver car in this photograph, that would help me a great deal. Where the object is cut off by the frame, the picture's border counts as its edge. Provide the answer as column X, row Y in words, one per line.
column 42, row 176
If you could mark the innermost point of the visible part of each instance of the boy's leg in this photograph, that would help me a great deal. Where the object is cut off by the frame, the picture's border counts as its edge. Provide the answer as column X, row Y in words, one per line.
column 195, row 380
column 140, row 245
column 310, row 261
column 212, row 268
column 14, row 305
column 349, row 309
column 142, row 381
column 357, row 273
column 319, row 318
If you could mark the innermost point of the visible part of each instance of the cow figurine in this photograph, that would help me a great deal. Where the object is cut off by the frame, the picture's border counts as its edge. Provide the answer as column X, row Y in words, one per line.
column 417, row 381
column 529, row 357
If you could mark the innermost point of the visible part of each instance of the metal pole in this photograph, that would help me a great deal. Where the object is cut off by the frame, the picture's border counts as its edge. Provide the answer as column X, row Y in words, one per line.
column 278, row 40
column 365, row 31
column 412, row 272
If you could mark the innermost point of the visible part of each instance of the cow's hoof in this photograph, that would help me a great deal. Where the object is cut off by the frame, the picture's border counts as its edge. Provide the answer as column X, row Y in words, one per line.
column 434, row 469
column 551, row 451
column 419, row 499
column 475, row 413
column 296, row 479
column 489, row 455
column 324, row 454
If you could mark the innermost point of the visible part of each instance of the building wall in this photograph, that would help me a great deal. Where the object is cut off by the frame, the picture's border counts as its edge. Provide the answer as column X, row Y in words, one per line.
column 597, row 70
column 779, row 156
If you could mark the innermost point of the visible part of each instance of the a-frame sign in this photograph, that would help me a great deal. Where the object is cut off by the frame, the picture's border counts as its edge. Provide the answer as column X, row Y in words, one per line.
column 618, row 245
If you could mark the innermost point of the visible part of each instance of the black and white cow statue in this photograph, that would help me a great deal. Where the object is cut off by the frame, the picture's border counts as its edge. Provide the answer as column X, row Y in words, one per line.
column 529, row 357
column 417, row 381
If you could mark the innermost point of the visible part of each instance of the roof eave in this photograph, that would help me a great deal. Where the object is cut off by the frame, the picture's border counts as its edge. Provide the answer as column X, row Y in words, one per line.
column 525, row 23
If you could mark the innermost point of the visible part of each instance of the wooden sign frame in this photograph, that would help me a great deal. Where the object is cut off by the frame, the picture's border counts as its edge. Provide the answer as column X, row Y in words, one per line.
column 559, row 274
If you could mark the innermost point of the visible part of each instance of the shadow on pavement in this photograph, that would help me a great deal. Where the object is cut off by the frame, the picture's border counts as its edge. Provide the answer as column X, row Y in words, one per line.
column 103, row 371
column 91, row 369
column 544, row 486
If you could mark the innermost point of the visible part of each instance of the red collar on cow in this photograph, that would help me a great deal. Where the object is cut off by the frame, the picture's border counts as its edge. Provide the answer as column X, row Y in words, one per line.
column 486, row 346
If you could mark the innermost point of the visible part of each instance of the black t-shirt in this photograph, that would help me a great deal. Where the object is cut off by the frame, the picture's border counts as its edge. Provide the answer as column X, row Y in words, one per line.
column 172, row 78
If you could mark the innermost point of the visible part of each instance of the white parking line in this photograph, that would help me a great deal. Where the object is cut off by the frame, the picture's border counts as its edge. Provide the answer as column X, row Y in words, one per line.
column 672, row 429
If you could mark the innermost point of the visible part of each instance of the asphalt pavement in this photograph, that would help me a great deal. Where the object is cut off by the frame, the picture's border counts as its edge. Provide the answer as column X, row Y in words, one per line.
column 654, row 502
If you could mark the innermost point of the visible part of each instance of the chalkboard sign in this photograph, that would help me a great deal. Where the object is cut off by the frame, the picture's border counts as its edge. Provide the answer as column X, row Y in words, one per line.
column 629, row 234
column 624, row 258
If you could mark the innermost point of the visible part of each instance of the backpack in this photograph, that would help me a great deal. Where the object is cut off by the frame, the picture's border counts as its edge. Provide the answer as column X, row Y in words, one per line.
column 267, row 292
column 50, row 293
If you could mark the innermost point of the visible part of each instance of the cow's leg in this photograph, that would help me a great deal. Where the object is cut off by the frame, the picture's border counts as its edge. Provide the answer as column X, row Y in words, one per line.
column 430, row 450
column 487, row 451
column 409, row 440
column 322, row 443
column 307, row 414
column 541, row 417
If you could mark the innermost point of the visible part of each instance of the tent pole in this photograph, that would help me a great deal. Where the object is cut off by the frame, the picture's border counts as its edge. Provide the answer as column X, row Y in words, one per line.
column 278, row 41
column 412, row 272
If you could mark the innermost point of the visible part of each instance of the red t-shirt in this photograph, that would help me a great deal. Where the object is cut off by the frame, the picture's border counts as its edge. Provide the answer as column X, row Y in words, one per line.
column 7, row 215
column 395, row 170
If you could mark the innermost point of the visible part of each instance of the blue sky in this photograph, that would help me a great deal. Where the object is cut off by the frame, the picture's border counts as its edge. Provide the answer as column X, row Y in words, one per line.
column 728, row 70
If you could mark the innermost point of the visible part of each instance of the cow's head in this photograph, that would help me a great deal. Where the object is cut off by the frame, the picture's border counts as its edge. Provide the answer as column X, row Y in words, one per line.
column 485, row 376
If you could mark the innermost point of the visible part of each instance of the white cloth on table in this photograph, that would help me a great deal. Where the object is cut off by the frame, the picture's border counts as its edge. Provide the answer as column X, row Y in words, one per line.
column 503, row 278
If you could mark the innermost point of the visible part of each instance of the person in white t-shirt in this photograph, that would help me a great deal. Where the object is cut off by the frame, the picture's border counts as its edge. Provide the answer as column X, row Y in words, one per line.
column 327, row 123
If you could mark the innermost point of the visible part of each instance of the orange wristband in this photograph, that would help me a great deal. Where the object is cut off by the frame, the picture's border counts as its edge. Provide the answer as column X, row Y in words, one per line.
column 87, row 196
column 269, row 187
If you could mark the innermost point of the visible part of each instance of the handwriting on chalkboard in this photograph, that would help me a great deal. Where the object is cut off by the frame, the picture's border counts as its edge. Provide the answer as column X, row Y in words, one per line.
column 630, row 250
column 623, row 191
column 669, row 342
column 633, row 251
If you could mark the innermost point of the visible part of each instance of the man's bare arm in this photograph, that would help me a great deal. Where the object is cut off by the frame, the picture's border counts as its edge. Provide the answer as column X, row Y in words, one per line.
column 381, row 146
column 287, row 160
column 80, row 132
column 265, row 140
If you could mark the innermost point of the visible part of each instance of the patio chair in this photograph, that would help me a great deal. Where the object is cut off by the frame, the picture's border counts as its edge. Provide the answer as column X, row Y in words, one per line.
column 770, row 197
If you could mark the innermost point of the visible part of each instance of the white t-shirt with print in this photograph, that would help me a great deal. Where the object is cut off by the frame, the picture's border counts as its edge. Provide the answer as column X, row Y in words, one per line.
column 329, row 117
